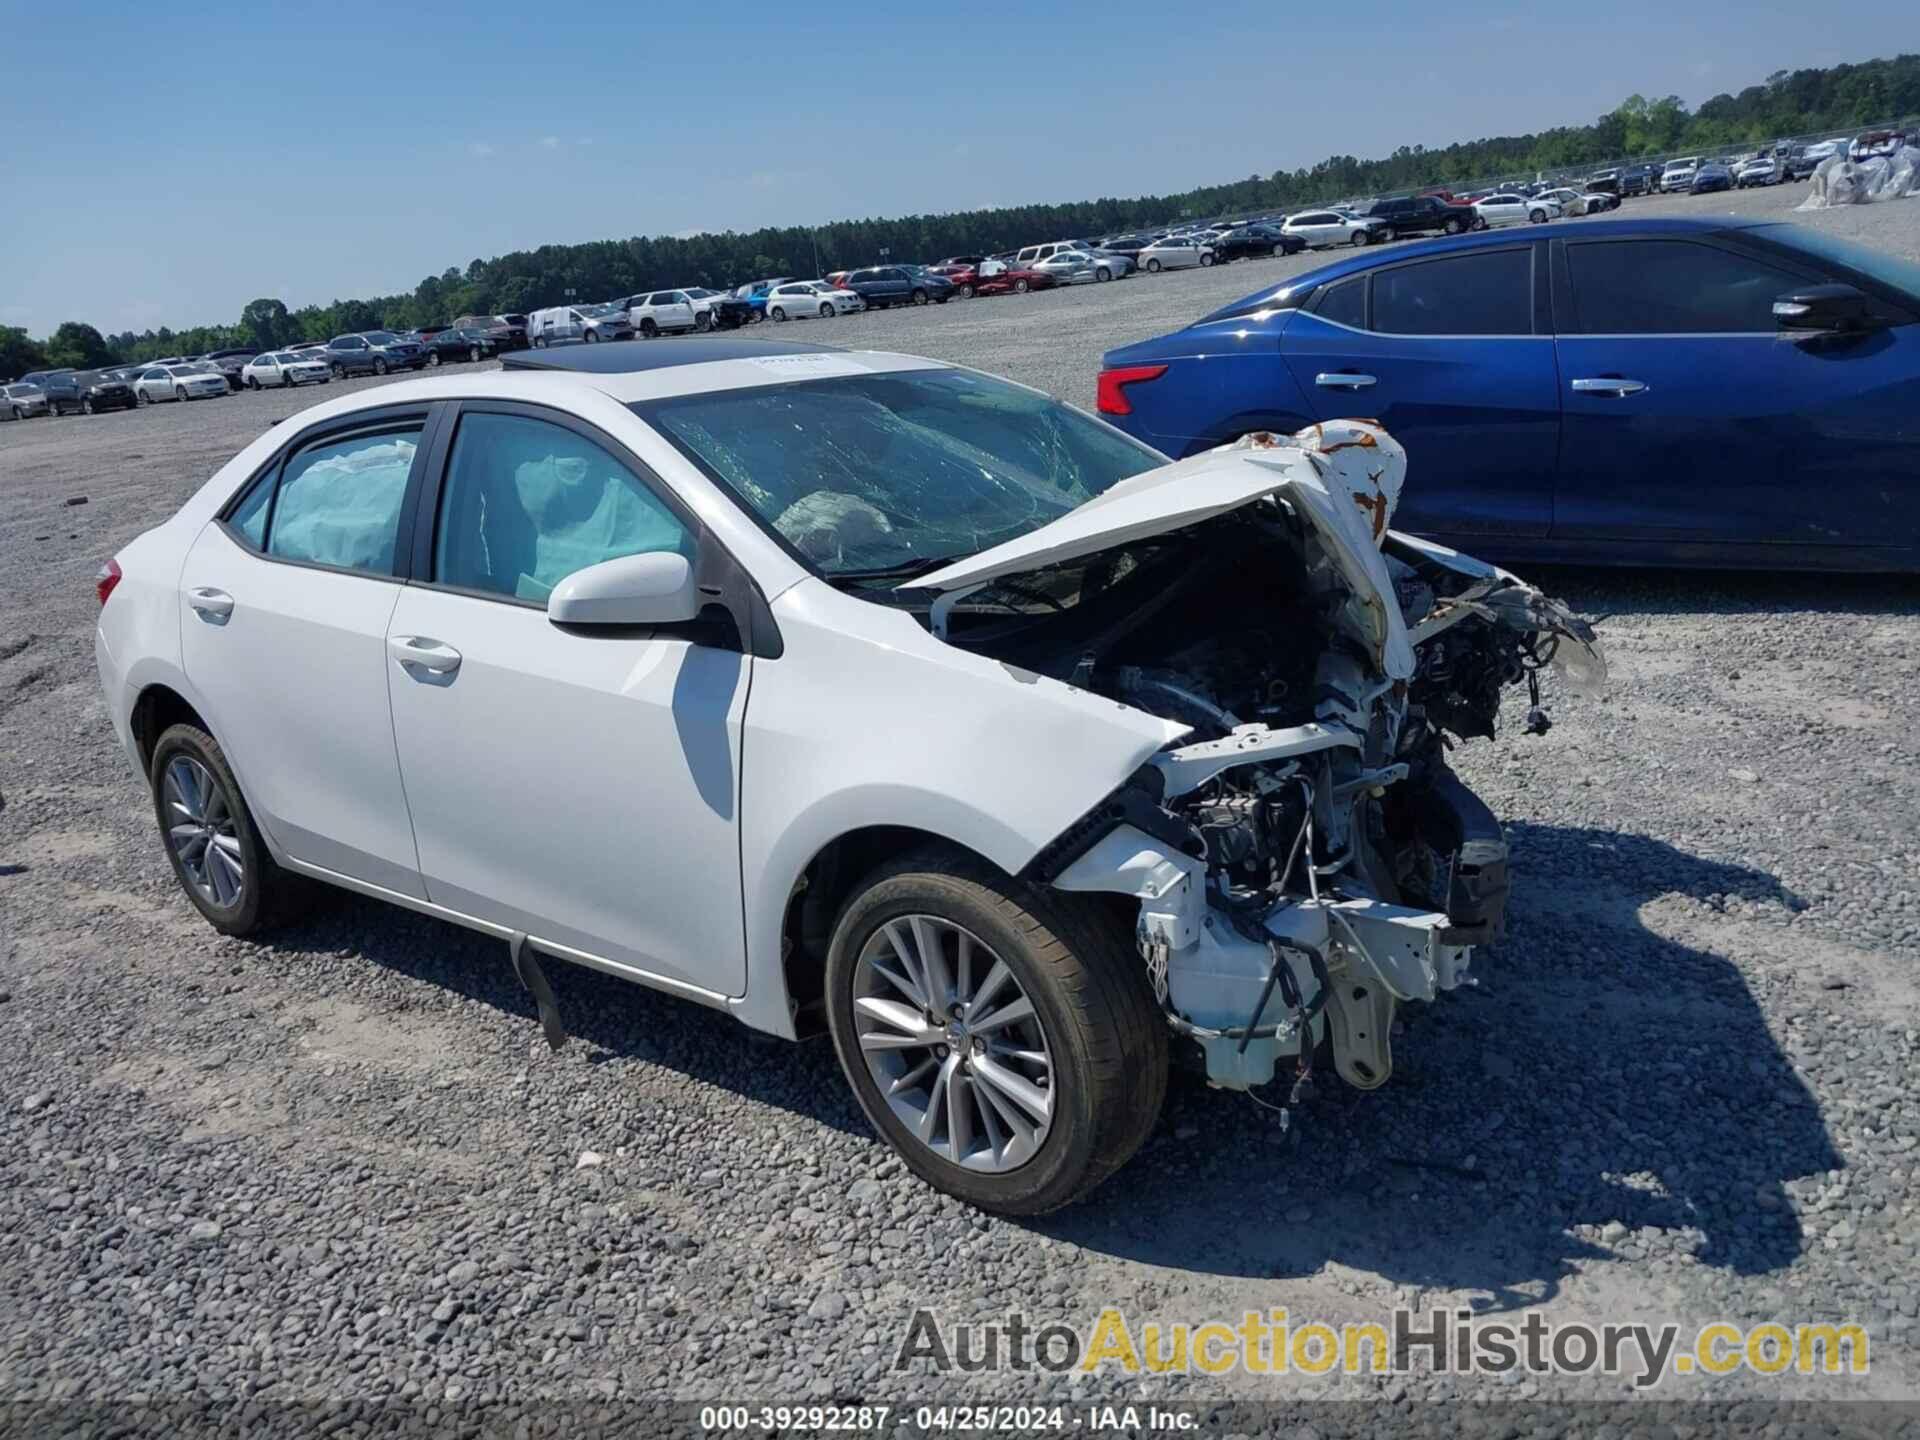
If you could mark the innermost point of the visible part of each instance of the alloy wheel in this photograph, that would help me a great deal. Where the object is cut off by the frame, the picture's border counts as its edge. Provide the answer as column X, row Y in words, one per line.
column 953, row 1044
column 200, row 828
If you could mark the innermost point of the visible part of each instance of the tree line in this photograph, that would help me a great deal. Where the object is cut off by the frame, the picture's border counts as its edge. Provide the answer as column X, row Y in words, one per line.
column 1787, row 103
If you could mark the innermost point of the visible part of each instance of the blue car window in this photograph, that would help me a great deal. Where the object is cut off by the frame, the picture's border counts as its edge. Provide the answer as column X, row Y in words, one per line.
column 1487, row 292
column 1345, row 303
column 1670, row 287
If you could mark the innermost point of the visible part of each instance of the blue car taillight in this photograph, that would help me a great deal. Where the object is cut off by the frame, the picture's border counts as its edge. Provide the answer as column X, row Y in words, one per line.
column 1111, row 388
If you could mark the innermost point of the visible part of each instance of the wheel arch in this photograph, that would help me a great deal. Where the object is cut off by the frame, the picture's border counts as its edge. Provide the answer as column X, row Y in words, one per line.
column 821, row 891
column 157, row 708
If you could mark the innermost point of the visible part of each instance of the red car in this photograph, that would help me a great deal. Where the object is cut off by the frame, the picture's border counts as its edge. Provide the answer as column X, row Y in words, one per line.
column 964, row 275
column 1010, row 280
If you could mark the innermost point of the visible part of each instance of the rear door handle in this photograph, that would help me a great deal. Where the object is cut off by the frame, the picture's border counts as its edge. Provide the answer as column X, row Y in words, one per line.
column 214, row 604
column 1343, row 380
column 1609, row 385
column 420, row 653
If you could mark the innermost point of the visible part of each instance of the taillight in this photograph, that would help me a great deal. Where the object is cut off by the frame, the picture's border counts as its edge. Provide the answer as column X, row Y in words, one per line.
column 1112, row 387
column 108, row 577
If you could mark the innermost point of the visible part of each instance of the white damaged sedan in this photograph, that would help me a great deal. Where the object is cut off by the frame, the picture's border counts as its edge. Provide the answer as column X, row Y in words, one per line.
column 853, row 692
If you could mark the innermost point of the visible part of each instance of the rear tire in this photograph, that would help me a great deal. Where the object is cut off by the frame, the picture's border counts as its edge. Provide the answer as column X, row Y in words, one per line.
column 1020, row 287
column 262, row 894
column 966, row 292
column 1103, row 1038
column 776, row 313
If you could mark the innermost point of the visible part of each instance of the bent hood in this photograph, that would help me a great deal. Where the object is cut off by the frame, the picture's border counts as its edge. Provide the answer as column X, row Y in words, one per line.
column 1343, row 477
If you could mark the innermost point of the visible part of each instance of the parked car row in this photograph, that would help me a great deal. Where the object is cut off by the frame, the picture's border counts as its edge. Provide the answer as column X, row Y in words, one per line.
column 224, row 372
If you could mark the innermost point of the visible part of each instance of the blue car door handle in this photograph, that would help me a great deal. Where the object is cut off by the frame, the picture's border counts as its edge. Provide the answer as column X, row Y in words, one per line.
column 1345, row 380
column 1609, row 385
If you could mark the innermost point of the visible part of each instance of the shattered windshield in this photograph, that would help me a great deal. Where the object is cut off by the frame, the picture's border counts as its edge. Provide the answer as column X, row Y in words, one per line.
column 868, row 476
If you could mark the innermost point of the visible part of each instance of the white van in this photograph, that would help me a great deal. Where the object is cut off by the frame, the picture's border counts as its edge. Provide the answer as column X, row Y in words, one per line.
column 558, row 324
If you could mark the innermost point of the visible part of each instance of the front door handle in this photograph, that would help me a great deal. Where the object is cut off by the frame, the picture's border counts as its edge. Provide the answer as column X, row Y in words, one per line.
column 1609, row 385
column 1344, row 380
column 213, row 604
column 419, row 653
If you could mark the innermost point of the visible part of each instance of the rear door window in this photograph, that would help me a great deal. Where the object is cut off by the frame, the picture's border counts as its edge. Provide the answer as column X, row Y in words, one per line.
column 1345, row 303
column 338, row 503
column 1489, row 292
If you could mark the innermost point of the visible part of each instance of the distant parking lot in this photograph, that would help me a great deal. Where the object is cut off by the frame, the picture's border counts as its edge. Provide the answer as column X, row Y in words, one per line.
column 1683, row 1087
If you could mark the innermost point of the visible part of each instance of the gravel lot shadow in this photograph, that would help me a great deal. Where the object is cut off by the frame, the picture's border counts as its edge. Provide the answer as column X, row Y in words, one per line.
column 608, row 1020
column 1608, row 1090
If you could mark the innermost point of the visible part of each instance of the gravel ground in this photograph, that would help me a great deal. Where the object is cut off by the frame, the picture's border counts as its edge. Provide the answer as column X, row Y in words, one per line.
column 342, row 1164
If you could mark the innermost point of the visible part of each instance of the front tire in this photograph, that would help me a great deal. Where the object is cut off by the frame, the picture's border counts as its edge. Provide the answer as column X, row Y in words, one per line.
column 1153, row 266
column 1538, row 217
column 86, row 407
column 966, row 292
column 919, row 297
column 1064, row 1076
column 1020, row 287
column 433, row 358
column 215, row 849
column 1206, row 258
column 1453, row 225
column 826, row 312
column 379, row 364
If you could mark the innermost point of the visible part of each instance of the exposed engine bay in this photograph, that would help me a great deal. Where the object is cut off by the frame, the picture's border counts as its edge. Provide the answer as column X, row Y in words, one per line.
column 1304, row 859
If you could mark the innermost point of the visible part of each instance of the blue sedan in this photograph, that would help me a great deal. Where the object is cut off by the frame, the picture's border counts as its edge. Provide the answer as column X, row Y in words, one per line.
column 1628, row 393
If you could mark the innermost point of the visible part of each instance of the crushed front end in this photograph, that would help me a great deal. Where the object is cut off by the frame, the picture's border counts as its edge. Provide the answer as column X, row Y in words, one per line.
column 1304, row 860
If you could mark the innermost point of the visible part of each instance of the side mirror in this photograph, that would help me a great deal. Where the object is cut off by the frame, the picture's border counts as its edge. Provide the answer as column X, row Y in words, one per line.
column 652, row 589
column 1825, row 308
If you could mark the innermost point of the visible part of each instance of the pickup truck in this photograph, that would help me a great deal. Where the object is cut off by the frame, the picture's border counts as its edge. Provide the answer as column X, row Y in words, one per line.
column 1420, row 215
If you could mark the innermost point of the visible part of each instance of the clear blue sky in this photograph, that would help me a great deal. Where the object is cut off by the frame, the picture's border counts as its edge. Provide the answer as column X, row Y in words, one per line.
column 164, row 164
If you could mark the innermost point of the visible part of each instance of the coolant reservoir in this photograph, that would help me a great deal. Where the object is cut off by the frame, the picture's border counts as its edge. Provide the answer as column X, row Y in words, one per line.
column 1217, row 983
